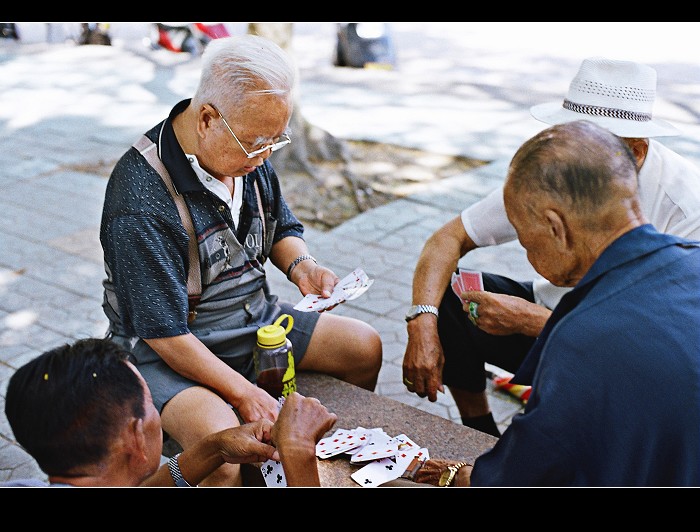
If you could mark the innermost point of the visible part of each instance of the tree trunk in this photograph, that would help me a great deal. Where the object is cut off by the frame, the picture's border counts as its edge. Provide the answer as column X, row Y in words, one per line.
column 309, row 143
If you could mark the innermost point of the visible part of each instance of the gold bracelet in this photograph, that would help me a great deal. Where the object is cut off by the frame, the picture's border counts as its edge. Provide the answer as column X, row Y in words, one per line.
column 449, row 474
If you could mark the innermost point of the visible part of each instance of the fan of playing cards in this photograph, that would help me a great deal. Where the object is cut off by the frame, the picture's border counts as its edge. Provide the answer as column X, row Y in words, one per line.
column 384, row 458
column 349, row 287
column 466, row 280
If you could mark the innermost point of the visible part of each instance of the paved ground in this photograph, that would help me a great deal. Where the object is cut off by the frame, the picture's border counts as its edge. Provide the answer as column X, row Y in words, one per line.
column 458, row 88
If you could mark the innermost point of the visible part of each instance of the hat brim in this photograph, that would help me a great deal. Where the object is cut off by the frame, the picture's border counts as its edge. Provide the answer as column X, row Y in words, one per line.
column 553, row 113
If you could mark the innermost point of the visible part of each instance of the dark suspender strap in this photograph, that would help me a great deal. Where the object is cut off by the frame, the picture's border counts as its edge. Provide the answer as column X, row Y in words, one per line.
column 260, row 208
column 147, row 148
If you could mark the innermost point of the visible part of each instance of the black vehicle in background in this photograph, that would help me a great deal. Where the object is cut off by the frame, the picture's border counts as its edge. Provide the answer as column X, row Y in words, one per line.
column 365, row 45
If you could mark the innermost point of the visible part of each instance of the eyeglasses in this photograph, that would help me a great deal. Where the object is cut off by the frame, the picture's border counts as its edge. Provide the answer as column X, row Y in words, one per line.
column 272, row 147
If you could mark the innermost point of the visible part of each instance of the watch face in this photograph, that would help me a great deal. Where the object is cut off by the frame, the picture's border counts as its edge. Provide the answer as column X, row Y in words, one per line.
column 445, row 477
column 417, row 310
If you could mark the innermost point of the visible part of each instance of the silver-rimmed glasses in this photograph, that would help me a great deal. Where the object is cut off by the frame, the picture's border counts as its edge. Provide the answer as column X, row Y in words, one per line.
column 272, row 147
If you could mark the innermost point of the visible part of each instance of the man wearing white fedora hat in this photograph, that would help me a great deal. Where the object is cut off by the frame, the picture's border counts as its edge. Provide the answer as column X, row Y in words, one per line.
column 449, row 339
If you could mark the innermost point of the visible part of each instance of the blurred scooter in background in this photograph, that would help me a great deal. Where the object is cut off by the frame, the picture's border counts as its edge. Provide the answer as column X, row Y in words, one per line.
column 365, row 45
column 187, row 37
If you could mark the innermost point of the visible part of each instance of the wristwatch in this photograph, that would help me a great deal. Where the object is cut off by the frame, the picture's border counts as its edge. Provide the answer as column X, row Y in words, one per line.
column 174, row 467
column 449, row 474
column 416, row 310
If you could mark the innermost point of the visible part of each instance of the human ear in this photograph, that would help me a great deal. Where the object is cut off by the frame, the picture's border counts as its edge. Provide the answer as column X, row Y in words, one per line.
column 205, row 118
column 640, row 148
column 138, row 438
column 557, row 226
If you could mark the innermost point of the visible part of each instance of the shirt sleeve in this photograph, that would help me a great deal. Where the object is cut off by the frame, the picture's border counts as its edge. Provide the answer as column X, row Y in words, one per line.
column 486, row 222
column 669, row 188
column 150, row 276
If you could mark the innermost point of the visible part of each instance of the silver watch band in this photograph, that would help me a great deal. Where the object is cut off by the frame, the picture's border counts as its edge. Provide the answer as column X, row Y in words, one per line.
column 296, row 261
column 422, row 309
column 417, row 310
column 174, row 468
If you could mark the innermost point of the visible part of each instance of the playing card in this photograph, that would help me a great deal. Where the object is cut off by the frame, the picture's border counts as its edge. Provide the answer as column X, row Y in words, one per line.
column 314, row 302
column 384, row 457
column 273, row 473
column 349, row 287
column 353, row 292
column 355, row 284
column 407, row 452
column 381, row 446
column 405, row 443
column 364, row 436
column 471, row 280
column 341, row 441
column 456, row 283
column 415, row 463
column 376, row 473
column 404, row 464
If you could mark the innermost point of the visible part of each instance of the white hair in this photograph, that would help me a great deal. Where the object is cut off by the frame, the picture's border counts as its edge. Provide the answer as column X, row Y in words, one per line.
column 234, row 68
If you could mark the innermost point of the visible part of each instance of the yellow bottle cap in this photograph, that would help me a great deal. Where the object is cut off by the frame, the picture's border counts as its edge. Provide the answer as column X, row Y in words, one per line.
column 272, row 336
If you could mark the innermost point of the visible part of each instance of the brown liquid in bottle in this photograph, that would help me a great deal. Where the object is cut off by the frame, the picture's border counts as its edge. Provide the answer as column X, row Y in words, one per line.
column 270, row 380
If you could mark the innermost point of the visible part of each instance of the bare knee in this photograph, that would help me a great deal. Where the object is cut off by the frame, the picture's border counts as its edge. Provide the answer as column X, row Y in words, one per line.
column 374, row 348
column 346, row 348
column 370, row 359
column 193, row 414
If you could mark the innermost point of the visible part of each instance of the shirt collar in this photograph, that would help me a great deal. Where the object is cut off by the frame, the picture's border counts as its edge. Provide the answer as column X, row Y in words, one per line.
column 172, row 155
column 632, row 245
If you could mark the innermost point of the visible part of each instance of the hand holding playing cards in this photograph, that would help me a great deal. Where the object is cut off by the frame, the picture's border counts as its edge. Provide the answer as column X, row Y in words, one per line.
column 244, row 444
column 302, row 419
column 250, row 442
column 301, row 423
column 501, row 314
column 349, row 287
column 254, row 403
column 316, row 280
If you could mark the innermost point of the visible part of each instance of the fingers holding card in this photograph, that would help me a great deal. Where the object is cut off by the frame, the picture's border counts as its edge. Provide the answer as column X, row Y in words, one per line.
column 349, row 287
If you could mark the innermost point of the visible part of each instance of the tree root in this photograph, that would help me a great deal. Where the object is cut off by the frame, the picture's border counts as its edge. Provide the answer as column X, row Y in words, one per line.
column 316, row 144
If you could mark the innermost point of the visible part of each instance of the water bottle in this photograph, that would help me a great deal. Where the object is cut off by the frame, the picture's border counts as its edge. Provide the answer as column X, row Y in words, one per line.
column 274, row 360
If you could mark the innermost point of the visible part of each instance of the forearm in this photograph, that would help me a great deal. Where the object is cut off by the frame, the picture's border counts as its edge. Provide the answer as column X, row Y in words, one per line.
column 196, row 463
column 300, row 464
column 437, row 261
column 189, row 357
column 301, row 423
column 286, row 250
column 431, row 277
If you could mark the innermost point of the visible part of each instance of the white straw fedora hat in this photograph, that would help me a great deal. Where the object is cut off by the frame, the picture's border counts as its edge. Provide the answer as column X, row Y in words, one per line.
column 617, row 95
